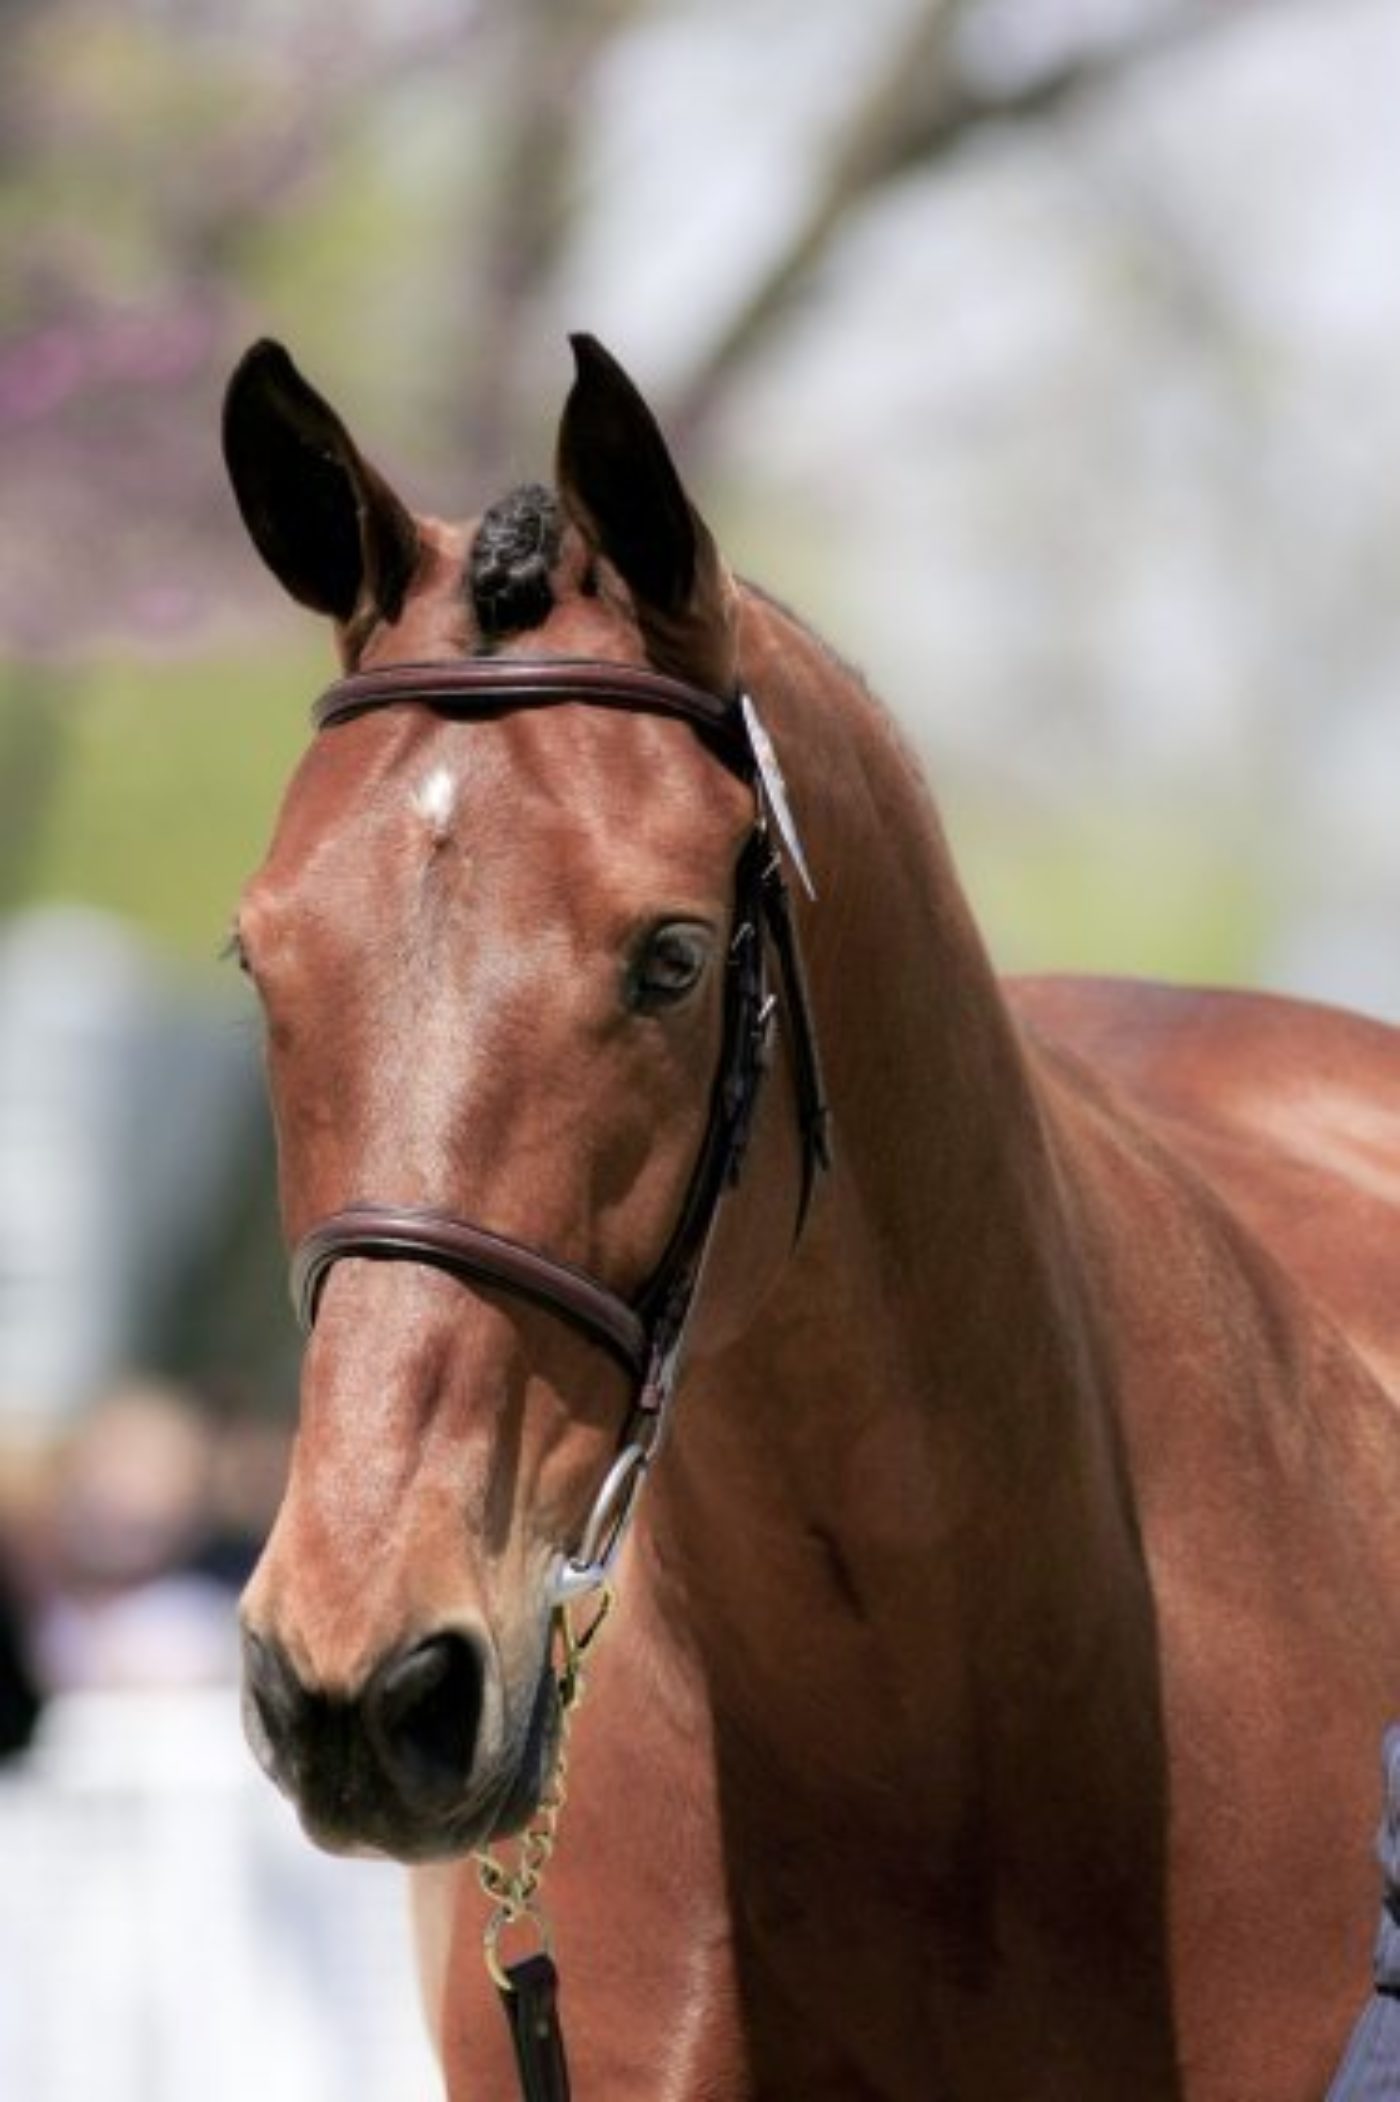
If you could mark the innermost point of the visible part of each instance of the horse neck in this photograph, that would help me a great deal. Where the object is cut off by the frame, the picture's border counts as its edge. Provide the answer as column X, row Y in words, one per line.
column 917, row 1404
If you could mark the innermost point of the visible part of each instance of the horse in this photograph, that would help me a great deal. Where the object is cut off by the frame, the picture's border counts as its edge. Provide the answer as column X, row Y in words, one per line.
column 1005, row 1631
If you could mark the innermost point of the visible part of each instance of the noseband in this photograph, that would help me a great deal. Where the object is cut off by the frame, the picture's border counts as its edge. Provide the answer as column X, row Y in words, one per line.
column 646, row 1334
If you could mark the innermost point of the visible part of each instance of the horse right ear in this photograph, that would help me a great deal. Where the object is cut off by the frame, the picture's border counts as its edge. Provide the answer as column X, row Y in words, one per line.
column 620, row 487
column 327, row 525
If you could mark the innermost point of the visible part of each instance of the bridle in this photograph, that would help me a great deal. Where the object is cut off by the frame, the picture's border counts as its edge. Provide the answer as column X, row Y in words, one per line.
column 646, row 1334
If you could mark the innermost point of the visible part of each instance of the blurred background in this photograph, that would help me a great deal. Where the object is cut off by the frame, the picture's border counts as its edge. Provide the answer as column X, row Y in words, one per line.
column 1046, row 353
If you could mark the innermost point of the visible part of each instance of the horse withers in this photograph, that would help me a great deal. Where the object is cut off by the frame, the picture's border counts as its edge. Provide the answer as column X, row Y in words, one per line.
column 1009, row 1620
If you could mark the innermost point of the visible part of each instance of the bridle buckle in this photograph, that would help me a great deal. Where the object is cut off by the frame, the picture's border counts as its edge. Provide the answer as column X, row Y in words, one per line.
column 591, row 1564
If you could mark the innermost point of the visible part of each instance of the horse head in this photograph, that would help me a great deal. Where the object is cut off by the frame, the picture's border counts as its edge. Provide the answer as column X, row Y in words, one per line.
column 492, row 960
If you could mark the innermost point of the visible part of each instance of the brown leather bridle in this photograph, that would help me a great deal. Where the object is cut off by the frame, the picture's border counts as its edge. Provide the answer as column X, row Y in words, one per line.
column 646, row 1334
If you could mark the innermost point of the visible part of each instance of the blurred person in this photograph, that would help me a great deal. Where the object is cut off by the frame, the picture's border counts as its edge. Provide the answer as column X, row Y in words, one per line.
column 249, row 1460
column 22, row 1500
column 1370, row 2070
column 20, row 1699
column 126, row 1603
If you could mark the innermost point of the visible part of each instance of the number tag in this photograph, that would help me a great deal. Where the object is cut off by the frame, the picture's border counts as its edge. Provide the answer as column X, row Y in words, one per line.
column 775, row 796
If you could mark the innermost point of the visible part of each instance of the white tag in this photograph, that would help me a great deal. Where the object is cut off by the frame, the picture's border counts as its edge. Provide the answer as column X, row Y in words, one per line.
column 775, row 793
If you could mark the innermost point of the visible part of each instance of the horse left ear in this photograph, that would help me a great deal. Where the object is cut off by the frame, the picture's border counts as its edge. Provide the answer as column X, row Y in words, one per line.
column 326, row 523
column 620, row 486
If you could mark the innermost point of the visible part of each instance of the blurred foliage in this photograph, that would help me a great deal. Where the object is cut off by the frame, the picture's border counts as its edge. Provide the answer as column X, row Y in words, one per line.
column 987, row 330
column 1110, row 889
column 32, row 724
column 413, row 196
column 169, row 778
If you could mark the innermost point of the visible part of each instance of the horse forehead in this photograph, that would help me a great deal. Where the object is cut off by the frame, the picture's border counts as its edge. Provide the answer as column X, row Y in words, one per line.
column 434, row 798
column 574, row 781
column 614, row 799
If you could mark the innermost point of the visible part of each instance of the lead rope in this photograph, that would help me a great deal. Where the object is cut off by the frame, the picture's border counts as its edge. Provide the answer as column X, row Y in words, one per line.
column 529, row 1986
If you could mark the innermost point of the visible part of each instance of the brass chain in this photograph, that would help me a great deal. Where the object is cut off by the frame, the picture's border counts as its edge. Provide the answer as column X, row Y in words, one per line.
column 514, row 1891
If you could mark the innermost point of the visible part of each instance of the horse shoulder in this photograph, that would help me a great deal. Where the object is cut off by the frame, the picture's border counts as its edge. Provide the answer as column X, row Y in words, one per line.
column 1247, row 1154
column 1289, row 1111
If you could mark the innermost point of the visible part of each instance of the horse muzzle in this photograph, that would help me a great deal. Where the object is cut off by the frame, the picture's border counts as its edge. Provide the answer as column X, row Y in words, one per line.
column 416, row 1764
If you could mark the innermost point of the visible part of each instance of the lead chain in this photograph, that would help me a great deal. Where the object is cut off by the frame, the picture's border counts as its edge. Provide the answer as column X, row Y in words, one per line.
column 514, row 1891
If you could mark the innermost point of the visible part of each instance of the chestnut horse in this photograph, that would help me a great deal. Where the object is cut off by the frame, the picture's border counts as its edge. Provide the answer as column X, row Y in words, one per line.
column 1007, row 1630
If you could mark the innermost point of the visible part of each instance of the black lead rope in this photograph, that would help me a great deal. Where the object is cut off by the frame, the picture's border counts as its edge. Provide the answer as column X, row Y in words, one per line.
column 530, row 1998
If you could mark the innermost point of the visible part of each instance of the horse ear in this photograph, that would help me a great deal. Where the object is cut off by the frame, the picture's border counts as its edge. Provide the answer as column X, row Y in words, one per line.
column 620, row 487
column 326, row 523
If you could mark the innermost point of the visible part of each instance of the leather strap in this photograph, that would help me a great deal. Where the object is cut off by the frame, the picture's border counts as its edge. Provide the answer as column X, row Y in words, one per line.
column 492, row 685
column 647, row 1336
column 531, row 2002
column 813, row 1110
column 426, row 1235
column 747, row 1015
column 479, row 685
column 640, row 1336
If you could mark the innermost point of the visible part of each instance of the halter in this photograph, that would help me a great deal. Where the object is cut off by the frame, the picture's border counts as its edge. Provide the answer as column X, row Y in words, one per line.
column 646, row 1334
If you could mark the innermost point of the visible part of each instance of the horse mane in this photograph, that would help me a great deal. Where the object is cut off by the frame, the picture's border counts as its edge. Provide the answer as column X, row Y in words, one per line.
column 508, row 571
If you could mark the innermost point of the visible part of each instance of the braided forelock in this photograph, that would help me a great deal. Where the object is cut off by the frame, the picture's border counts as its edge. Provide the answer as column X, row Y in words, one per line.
column 512, row 557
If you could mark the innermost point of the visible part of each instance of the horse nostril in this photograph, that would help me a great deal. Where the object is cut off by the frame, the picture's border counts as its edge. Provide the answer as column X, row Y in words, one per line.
column 423, row 1710
column 273, row 1701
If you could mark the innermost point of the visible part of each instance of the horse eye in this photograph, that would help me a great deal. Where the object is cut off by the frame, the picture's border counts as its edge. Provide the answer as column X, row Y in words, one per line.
column 669, row 965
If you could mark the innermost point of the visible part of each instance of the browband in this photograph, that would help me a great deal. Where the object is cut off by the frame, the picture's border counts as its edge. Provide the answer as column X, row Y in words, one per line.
column 481, row 685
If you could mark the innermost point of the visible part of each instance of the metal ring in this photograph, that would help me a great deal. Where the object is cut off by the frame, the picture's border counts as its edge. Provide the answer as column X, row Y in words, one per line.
column 592, row 1560
column 512, row 1916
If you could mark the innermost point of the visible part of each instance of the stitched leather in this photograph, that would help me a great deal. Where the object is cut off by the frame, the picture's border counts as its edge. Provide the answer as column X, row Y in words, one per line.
column 531, row 2005
column 424, row 1234
column 479, row 685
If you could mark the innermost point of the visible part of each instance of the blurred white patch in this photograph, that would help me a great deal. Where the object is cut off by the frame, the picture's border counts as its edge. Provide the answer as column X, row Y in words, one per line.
column 435, row 800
